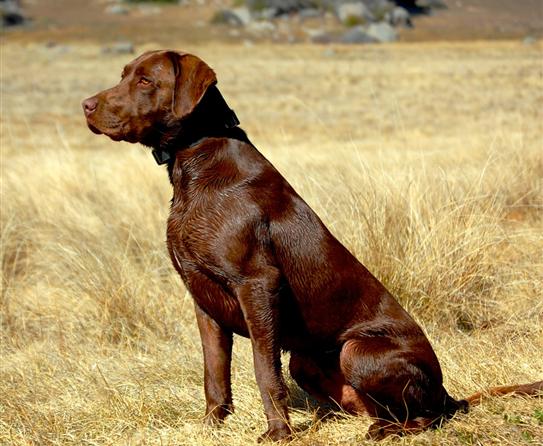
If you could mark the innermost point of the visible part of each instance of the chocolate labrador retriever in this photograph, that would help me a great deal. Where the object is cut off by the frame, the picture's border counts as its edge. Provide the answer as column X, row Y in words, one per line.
column 260, row 263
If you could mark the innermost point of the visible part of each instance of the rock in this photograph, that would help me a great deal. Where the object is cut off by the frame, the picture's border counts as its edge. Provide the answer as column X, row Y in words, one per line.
column 399, row 17
column 308, row 13
column 243, row 14
column 265, row 14
column 437, row 4
column 226, row 17
column 117, row 9
column 358, row 34
column 323, row 37
column 149, row 10
column 312, row 32
column 261, row 26
column 379, row 8
column 355, row 11
column 282, row 6
column 382, row 32
column 119, row 48
column 529, row 40
column 12, row 13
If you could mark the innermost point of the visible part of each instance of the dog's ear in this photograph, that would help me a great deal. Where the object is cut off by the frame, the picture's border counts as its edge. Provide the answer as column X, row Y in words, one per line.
column 192, row 79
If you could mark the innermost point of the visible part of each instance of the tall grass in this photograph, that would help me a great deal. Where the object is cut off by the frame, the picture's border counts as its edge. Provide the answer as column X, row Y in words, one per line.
column 98, row 340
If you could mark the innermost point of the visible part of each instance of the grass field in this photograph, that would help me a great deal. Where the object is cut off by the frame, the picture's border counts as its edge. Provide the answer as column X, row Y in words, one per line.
column 426, row 160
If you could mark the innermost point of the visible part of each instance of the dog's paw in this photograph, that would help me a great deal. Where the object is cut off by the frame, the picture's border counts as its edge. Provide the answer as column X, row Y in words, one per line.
column 276, row 433
column 217, row 414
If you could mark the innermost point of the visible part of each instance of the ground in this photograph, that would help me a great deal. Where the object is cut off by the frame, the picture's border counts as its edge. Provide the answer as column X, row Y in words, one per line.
column 425, row 159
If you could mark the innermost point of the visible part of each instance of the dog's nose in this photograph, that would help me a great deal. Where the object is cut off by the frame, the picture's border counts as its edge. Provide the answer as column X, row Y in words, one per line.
column 89, row 105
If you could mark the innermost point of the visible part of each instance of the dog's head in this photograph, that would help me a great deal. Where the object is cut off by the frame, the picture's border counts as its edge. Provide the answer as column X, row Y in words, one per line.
column 156, row 90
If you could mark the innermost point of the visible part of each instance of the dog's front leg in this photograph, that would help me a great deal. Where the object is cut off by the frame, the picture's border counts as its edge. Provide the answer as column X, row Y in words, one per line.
column 217, row 347
column 259, row 301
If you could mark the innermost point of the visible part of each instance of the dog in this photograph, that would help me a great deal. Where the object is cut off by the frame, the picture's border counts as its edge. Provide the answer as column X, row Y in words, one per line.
column 260, row 263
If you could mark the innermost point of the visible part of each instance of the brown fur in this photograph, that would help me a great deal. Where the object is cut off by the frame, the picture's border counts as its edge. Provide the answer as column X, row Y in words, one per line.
column 260, row 263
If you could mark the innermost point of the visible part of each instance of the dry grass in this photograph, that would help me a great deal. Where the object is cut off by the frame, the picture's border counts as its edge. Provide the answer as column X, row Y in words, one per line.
column 425, row 160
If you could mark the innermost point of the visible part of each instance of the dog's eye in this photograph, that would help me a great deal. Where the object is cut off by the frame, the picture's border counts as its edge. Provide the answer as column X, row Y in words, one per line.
column 144, row 81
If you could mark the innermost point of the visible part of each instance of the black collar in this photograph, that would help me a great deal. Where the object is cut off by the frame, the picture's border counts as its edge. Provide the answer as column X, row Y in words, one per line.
column 211, row 118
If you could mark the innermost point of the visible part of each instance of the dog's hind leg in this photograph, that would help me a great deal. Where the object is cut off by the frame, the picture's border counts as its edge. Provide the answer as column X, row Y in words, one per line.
column 401, row 388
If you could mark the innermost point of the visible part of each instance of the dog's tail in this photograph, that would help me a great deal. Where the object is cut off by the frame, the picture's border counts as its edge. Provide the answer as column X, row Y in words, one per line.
column 531, row 389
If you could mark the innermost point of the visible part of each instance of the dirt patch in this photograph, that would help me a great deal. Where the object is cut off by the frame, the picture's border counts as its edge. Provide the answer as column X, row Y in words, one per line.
column 480, row 19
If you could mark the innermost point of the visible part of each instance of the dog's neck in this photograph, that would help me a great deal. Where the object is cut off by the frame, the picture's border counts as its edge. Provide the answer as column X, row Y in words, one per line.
column 211, row 118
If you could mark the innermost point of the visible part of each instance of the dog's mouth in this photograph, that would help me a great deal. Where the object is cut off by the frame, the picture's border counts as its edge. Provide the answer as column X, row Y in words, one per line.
column 114, row 128
column 94, row 129
column 114, row 132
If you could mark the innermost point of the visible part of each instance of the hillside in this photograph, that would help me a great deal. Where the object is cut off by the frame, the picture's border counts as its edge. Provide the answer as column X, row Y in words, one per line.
column 87, row 20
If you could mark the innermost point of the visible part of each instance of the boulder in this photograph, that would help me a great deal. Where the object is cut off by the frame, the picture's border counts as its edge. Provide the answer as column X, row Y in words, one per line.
column 243, row 13
column 323, row 37
column 117, row 9
column 282, row 6
column 233, row 17
column 12, row 13
column 225, row 17
column 399, row 17
column 382, row 32
column 358, row 34
column 261, row 27
column 265, row 14
column 355, row 11
column 379, row 8
column 309, row 13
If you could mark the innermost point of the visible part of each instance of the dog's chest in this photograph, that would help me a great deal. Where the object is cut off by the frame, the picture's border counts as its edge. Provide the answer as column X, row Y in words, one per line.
column 198, row 246
column 194, row 230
